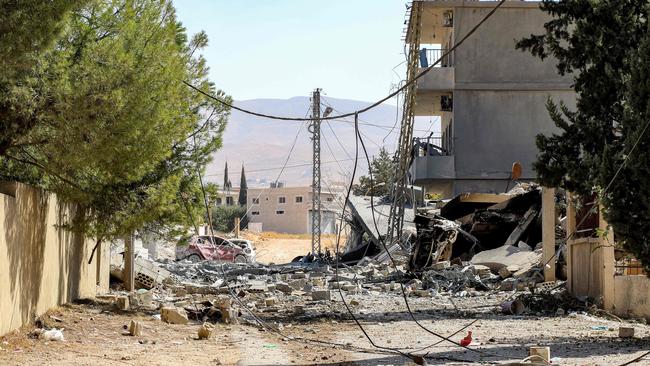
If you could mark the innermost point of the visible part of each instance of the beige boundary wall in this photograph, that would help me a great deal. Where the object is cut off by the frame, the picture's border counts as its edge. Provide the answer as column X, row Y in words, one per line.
column 42, row 265
column 591, row 270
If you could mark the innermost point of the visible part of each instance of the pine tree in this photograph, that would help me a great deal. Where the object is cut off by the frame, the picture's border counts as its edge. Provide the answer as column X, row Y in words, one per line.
column 226, row 181
column 382, row 168
column 606, row 47
column 118, row 132
column 243, row 188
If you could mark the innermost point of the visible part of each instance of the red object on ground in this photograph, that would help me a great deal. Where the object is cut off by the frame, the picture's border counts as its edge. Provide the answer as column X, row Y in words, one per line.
column 467, row 340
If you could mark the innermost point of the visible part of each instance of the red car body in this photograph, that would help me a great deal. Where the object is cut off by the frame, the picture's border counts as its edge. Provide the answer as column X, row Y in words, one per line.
column 214, row 248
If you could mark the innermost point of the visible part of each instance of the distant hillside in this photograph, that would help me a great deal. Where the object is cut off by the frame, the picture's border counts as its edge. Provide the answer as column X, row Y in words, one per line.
column 263, row 144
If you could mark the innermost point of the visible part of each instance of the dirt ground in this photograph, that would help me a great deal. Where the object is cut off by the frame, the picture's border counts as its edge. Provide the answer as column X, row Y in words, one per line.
column 95, row 335
column 282, row 248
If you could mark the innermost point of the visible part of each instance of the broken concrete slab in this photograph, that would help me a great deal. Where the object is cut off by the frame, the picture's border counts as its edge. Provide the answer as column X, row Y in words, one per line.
column 173, row 315
column 507, row 255
column 321, row 295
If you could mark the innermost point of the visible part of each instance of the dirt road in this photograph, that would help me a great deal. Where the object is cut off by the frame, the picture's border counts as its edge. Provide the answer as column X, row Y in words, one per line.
column 95, row 335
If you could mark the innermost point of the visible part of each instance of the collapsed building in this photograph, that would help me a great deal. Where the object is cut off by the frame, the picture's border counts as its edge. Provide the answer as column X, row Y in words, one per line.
column 495, row 229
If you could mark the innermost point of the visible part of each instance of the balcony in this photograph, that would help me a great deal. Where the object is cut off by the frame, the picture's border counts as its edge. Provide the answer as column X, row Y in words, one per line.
column 432, row 160
column 442, row 76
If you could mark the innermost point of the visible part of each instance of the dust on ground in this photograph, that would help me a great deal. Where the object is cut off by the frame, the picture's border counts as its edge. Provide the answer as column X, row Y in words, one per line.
column 278, row 248
column 95, row 335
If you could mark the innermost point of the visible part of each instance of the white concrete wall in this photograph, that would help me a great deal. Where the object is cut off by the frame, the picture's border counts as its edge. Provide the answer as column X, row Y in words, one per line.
column 295, row 219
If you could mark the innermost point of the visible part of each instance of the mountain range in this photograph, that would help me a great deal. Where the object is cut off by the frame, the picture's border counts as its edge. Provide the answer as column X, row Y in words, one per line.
column 263, row 145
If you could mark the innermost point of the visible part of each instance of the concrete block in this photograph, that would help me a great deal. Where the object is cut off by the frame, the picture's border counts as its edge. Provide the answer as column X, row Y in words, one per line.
column 320, row 295
column 543, row 352
column 148, row 273
column 173, row 315
column 122, row 303
column 270, row 301
column 298, row 284
column 283, row 287
column 299, row 275
column 135, row 328
column 626, row 332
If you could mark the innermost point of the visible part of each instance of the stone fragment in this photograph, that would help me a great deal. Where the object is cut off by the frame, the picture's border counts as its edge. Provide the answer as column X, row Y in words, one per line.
column 508, row 284
column 319, row 295
column 298, row 284
column 354, row 302
column 135, row 328
column 626, row 332
column 122, row 303
column 205, row 331
column 299, row 275
column 439, row 266
column 283, row 287
column 504, row 272
column 173, row 315
column 422, row 293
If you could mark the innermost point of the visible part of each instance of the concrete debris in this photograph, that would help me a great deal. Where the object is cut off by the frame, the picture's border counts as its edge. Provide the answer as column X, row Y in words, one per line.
column 135, row 328
column 173, row 315
column 122, row 303
column 205, row 331
column 508, row 256
column 53, row 334
column 472, row 224
column 321, row 295
column 626, row 332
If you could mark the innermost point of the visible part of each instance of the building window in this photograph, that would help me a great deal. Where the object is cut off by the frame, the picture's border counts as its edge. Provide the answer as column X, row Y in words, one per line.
column 282, row 199
column 255, row 201
column 229, row 201
column 219, row 201
column 330, row 199
column 279, row 212
column 298, row 199
column 255, row 213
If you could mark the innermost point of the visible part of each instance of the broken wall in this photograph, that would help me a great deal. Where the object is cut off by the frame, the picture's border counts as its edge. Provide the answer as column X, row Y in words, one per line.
column 42, row 265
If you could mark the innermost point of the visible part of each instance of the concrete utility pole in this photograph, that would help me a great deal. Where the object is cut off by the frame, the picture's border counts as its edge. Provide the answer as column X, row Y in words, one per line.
column 315, row 185
column 129, row 263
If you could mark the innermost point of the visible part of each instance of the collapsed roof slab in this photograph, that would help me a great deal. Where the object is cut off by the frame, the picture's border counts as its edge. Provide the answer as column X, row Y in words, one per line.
column 362, row 210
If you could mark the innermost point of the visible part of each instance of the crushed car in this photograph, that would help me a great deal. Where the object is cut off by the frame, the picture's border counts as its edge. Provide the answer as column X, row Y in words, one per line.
column 215, row 248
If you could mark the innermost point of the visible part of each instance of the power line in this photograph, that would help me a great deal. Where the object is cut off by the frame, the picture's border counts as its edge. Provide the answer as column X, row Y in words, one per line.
column 281, row 167
column 373, row 105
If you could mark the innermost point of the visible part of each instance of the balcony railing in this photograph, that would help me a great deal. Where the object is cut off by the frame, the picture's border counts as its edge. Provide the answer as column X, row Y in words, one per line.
column 429, row 146
column 428, row 56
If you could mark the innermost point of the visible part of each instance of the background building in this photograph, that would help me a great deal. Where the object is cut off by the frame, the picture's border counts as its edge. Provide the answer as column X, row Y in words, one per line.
column 490, row 97
column 288, row 209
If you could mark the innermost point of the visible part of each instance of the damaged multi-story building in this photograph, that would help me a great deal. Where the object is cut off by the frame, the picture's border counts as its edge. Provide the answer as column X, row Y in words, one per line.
column 489, row 96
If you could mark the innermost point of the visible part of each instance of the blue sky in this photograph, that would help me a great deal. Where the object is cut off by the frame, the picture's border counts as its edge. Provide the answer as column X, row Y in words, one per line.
column 286, row 48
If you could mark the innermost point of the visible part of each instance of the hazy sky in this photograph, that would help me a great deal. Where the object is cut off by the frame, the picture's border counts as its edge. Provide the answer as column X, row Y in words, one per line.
column 286, row 48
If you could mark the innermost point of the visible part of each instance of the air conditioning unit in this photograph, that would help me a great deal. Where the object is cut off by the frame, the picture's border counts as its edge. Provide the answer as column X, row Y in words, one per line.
column 448, row 19
column 446, row 103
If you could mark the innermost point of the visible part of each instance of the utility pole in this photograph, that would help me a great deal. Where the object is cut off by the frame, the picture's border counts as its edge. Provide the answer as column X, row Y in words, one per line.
column 315, row 185
column 405, row 149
